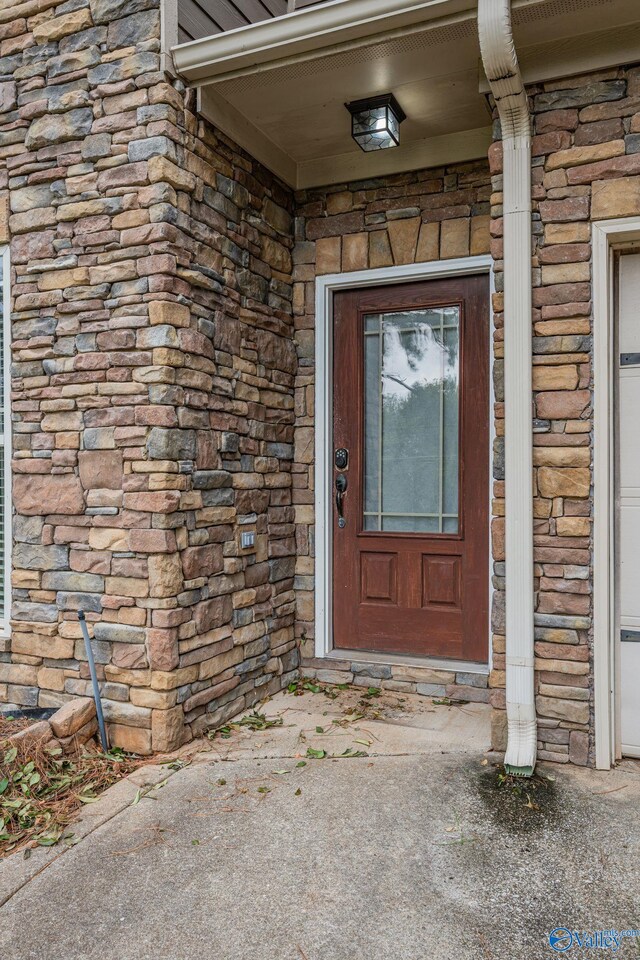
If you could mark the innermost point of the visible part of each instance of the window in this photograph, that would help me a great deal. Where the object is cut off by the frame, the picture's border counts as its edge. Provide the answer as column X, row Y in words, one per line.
column 411, row 462
column 5, row 445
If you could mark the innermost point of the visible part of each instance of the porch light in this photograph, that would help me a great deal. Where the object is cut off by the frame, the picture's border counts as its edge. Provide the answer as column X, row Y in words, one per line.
column 375, row 122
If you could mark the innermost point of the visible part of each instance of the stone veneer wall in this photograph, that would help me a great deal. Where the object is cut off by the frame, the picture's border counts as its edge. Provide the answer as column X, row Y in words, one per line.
column 153, row 376
column 427, row 215
column 586, row 166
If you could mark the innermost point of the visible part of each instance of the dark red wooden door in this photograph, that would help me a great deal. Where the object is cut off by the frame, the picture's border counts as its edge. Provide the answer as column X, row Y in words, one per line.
column 411, row 410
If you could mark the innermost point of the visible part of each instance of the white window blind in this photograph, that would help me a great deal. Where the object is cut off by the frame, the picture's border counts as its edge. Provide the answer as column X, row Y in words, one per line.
column 5, row 445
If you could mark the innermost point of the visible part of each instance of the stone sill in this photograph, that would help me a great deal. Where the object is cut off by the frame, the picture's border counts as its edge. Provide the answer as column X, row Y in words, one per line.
column 365, row 656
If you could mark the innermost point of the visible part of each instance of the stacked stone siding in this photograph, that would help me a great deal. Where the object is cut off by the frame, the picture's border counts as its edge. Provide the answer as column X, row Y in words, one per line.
column 163, row 289
column 436, row 214
column 586, row 166
column 153, row 382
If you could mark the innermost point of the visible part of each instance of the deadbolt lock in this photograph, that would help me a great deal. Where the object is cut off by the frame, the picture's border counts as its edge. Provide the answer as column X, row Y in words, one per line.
column 341, row 458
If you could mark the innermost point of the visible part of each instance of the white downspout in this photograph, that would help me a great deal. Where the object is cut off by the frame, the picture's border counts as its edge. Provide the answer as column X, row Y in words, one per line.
column 503, row 73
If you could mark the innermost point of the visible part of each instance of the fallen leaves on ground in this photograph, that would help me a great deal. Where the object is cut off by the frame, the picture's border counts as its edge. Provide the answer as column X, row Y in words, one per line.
column 253, row 721
column 10, row 724
column 525, row 788
column 41, row 791
column 319, row 754
column 306, row 685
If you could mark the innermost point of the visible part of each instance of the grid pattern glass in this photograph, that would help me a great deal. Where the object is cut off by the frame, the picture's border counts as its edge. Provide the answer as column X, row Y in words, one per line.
column 376, row 128
column 411, row 464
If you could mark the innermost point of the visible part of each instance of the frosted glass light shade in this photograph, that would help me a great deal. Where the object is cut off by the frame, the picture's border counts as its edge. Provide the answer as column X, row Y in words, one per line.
column 375, row 122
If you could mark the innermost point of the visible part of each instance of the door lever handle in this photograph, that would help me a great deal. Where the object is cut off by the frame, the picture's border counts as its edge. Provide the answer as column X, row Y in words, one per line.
column 341, row 487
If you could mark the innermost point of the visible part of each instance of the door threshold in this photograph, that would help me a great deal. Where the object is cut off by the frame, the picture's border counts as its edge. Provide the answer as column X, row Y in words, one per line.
column 404, row 660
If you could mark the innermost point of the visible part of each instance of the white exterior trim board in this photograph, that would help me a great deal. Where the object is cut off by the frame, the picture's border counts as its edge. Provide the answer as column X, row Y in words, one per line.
column 606, row 235
column 5, row 623
column 306, row 32
column 168, row 33
column 326, row 286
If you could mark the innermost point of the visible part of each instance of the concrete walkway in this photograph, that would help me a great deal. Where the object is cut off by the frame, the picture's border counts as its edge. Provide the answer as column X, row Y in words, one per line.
column 411, row 852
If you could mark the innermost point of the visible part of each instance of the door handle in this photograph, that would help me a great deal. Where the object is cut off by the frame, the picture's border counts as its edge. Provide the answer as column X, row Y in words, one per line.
column 341, row 488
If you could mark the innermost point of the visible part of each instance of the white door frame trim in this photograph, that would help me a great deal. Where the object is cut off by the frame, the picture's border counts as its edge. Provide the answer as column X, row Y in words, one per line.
column 606, row 236
column 7, row 446
column 326, row 286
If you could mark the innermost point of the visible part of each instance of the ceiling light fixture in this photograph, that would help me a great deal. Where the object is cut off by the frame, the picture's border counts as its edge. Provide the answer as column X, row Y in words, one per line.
column 375, row 122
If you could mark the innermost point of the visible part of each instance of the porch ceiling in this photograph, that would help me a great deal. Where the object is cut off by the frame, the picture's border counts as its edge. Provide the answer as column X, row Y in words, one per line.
column 279, row 88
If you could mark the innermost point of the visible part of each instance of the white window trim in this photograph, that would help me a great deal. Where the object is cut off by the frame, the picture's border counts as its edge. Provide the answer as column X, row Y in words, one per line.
column 326, row 286
column 5, row 623
column 607, row 236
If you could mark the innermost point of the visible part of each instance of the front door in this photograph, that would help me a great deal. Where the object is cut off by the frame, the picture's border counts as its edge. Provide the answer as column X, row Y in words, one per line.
column 411, row 469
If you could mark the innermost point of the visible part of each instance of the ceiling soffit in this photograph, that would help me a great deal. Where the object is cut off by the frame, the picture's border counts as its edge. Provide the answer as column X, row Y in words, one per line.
column 290, row 114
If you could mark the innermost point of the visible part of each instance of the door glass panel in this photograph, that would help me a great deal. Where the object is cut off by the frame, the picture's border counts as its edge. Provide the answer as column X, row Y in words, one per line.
column 411, row 462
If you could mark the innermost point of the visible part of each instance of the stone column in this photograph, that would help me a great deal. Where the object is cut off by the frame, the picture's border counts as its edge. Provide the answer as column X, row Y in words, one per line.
column 152, row 382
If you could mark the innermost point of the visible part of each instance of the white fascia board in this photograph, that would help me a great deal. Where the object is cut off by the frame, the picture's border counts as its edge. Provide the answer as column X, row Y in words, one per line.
column 334, row 23
column 584, row 53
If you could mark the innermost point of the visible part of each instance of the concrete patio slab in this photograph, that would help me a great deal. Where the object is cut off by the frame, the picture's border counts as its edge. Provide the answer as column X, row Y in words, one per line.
column 381, row 724
column 407, row 853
